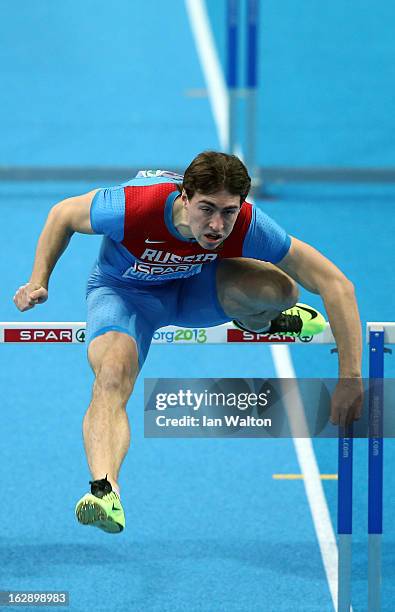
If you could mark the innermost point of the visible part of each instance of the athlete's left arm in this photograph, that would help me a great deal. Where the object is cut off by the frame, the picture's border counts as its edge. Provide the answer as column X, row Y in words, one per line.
column 317, row 274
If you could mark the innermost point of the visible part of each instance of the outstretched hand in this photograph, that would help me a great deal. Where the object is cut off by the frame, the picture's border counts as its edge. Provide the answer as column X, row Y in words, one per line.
column 347, row 401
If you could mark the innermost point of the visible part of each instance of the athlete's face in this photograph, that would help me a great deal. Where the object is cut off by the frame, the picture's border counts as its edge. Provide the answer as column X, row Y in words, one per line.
column 211, row 217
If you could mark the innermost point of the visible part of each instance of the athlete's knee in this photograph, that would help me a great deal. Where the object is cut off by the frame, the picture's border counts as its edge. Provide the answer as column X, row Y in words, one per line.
column 289, row 291
column 113, row 348
column 115, row 378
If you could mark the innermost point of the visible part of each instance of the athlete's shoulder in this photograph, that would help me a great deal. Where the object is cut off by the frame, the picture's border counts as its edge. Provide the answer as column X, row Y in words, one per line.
column 145, row 193
column 150, row 189
column 265, row 238
column 148, row 178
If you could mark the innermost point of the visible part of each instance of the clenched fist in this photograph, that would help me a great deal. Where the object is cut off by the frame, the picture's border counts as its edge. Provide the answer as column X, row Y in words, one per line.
column 29, row 295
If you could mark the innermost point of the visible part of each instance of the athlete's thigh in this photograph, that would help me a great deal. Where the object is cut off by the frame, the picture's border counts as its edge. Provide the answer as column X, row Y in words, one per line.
column 242, row 280
column 114, row 313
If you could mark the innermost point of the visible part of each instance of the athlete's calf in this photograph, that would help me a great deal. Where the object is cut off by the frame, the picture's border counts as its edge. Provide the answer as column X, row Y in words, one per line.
column 114, row 360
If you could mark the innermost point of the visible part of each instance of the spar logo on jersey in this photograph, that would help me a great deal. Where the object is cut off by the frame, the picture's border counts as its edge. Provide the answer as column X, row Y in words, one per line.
column 38, row 335
column 238, row 335
column 154, row 262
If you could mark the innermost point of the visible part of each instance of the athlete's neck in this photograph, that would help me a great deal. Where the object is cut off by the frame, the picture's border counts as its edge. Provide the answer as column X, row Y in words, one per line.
column 179, row 218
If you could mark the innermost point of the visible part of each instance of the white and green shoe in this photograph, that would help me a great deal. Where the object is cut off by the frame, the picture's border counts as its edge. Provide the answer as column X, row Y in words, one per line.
column 300, row 320
column 101, row 508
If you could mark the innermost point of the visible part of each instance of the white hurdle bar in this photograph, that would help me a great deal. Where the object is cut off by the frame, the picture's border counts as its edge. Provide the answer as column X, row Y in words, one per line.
column 73, row 332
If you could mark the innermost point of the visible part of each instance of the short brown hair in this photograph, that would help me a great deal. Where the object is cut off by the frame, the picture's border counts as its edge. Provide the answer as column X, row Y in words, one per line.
column 211, row 171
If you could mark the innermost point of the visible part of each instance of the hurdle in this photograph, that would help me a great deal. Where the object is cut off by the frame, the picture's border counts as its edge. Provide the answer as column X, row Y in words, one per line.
column 234, row 13
column 378, row 336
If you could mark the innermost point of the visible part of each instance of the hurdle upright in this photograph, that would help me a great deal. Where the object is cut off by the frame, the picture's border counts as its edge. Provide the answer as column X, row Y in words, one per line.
column 234, row 17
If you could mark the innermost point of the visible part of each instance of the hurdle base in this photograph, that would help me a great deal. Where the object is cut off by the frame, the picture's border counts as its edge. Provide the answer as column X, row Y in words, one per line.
column 344, row 572
column 374, row 572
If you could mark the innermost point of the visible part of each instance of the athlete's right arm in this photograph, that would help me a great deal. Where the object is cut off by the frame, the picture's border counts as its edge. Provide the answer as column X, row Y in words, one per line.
column 65, row 218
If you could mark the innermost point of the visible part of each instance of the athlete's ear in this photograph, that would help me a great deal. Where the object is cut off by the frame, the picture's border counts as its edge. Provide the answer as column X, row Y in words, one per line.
column 184, row 197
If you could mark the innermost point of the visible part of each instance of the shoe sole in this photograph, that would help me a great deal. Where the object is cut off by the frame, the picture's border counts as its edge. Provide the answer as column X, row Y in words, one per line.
column 92, row 514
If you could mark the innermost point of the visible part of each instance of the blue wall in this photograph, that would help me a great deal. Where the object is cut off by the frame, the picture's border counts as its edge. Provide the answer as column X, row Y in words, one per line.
column 93, row 83
column 90, row 83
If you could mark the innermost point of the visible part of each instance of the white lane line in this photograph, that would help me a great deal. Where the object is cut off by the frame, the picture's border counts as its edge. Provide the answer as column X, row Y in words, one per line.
column 215, row 82
column 309, row 468
column 200, row 26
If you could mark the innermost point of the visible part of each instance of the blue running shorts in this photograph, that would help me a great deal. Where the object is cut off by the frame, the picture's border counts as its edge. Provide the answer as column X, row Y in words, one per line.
column 139, row 310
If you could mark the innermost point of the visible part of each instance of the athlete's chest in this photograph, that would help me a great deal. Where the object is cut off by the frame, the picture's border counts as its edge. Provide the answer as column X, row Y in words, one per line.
column 150, row 236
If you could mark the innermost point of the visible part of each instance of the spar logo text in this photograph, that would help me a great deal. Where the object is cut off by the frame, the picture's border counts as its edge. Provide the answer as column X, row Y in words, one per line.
column 238, row 335
column 38, row 335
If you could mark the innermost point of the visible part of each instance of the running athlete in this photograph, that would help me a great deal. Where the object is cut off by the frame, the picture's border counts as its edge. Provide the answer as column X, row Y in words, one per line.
column 188, row 251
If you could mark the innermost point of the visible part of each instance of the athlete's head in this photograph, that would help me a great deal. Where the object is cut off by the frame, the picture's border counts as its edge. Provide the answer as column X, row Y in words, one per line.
column 214, row 187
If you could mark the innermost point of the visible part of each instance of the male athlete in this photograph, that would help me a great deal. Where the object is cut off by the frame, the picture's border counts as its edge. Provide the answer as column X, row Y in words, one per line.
column 187, row 251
